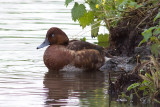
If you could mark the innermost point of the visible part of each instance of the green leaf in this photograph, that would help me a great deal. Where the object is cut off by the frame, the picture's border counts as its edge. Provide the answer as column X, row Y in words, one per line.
column 156, row 31
column 68, row 1
column 83, row 39
column 86, row 19
column 145, row 92
column 94, row 1
column 132, row 4
column 158, row 16
column 141, row 42
column 156, row 100
column 103, row 44
column 148, row 33
column 132, row 86
column 142, row 87
column 92, row 6
column 103, row 40
column 118, row 2
column 148, row 75
column 78, row 11
column 154, row 39
column 124, row 3
column 95, row 28
column 145, row 82
column 155, row 49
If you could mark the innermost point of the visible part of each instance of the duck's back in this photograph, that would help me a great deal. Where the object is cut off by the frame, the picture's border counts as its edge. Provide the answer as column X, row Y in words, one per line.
column 78, row 45
column 87, row 55
column 89, row 59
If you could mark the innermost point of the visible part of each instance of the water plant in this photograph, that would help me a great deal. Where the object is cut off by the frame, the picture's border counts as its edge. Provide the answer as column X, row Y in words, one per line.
column 151, row 82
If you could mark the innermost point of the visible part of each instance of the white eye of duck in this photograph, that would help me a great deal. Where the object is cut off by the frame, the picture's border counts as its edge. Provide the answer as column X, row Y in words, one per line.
column 52, row 35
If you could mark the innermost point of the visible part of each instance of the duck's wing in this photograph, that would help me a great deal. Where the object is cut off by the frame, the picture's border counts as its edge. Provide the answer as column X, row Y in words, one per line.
column 80, row 45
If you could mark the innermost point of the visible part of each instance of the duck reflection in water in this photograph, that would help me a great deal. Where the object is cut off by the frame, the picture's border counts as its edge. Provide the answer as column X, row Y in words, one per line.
column 69, row 87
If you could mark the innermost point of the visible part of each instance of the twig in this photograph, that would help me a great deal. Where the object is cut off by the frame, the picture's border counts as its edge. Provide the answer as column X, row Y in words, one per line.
column 146, row 18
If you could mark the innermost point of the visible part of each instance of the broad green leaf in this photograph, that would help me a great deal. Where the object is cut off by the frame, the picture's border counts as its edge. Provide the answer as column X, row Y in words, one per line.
column 83, row 39
column 142, row 87
column 119, row 2
column 94, row 1
column 155, row 49
column 86, row 19
column 145, row 82
column 148, row 33
column 132, row 86
column 103, row 44
column 68, row 1
column 92, row 6
column 156, row 31
column 158, row 16
column 124, row 3
column 95, row 28
column 78, row 11
column 132, row 4
column 103, row 40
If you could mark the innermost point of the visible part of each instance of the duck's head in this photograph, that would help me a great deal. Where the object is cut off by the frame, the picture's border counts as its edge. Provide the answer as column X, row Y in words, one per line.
column 54, row 36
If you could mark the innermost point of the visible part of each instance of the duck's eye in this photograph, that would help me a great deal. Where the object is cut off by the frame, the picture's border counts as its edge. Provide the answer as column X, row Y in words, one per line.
column 52, row 35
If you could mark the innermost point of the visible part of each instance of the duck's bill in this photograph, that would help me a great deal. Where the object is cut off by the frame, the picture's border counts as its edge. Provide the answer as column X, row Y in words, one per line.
column 45, row 43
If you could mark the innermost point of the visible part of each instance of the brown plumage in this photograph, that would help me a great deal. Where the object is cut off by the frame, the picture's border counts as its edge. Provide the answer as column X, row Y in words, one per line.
column 63, row 52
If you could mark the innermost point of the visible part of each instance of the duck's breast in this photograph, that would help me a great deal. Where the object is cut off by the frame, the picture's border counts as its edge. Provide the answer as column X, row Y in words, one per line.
column 57, row 56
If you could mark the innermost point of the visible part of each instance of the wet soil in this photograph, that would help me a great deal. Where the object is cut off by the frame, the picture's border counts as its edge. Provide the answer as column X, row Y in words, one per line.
column 126, row 36
column 124, row 40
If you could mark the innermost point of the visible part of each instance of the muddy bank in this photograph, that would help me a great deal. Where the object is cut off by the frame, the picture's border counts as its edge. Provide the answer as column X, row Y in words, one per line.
column 126, row 56
column 123, row 63
column 126, row 36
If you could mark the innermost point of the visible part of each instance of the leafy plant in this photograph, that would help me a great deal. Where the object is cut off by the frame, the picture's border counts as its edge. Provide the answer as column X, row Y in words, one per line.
column 103, row 40
column 83, row 39
column 100, row 13
column 124, row 98
column 151, row 82
column 153, row 34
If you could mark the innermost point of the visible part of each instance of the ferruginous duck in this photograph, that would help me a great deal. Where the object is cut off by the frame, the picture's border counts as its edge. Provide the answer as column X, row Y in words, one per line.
column 62, row 53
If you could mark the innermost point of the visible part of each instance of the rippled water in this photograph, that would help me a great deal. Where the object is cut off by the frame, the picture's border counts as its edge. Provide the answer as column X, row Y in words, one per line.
column 24, row 80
